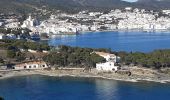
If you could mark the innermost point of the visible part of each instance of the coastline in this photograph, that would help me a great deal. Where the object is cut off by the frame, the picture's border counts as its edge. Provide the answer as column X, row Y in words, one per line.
column 113, row 30
column 80, row 73
column 126, row 30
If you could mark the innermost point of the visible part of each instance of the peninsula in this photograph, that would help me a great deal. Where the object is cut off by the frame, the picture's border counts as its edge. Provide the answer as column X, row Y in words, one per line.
column 27, row 59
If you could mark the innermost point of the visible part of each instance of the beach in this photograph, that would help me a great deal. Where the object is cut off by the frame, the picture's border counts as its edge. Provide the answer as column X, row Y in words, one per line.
column 136, row 76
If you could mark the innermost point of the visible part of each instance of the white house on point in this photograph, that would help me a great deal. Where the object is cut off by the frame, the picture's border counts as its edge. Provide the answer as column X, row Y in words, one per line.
column 109, row 65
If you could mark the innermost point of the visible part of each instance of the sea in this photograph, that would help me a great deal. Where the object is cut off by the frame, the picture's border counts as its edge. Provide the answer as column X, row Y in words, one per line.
column 116, row 40
column 37, row 87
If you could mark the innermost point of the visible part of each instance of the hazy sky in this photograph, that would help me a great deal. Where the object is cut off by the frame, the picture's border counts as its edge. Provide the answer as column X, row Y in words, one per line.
column 130, row 0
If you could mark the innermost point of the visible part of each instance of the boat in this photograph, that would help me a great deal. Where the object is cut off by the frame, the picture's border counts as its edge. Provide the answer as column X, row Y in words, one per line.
column 35, row 37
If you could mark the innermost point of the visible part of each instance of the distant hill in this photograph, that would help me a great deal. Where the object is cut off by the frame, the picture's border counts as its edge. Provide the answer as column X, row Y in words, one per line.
column 21, row 6
column 13, row 6
column 25, row 6
column 154, row 4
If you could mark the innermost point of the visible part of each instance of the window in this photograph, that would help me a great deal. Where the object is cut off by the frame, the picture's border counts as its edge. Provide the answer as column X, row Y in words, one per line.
column 43, row 65
column 29, row 66
column 34, row 66
column 25, row 67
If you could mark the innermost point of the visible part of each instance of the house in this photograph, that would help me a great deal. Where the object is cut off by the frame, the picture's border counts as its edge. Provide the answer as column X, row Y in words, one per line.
column 44, row 51
column 109, row 65
column 128, row 8
column 12, row 25
column 2, row 36
column 108, row 56
column 1, row 23
column 3, row 67
column 30, row 22
column 32, row 51
column 31, row 65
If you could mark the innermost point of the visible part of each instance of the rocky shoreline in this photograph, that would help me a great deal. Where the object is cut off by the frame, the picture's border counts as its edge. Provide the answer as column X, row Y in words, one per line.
column 79, row 72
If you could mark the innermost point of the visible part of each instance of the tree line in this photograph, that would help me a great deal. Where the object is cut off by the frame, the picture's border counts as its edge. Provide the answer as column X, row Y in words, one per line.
column 156, row 59
column 22, row 44
column 14, row 48
column 74, row 56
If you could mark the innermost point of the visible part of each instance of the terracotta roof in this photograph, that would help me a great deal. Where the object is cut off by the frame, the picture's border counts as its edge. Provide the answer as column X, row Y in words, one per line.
column 18, row 65
column 30, row 62
column 104, row 54
column 35, row 62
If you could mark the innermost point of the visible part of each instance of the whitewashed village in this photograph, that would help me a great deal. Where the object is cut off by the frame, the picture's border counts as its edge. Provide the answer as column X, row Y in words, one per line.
column 128, row 19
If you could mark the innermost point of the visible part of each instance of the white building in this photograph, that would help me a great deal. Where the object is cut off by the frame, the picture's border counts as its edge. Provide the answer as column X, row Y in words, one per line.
column 3, row 67
column 32, row 51
column 166, row 12
column 109, row 65
column 13, row 25
column 128, row 8
column 108, row 56
column 1, row 23
column 30, row 22
column 31, row 65
column 2, row 36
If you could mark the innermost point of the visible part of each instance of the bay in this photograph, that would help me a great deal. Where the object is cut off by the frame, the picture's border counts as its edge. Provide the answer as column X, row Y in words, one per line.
column 37, row 87
column 117, row 41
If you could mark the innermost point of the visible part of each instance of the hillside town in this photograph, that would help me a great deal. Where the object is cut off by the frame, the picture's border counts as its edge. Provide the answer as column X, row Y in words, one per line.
column 63, row 23
column 127, row 19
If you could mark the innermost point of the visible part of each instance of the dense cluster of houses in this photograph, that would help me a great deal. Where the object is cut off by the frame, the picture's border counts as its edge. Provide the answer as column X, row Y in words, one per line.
column 9, row 20
column 127, row 19
column 63, row 23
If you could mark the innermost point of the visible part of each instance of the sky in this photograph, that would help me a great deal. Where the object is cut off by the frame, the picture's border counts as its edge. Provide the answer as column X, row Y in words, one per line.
column 130, row 0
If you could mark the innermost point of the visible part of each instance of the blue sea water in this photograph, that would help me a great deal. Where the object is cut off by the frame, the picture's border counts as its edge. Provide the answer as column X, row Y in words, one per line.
column 117, row 41
column 38, row 87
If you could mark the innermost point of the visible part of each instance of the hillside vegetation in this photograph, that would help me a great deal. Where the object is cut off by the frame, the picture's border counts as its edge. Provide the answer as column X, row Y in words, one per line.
column 28, row 6
column 156, row 59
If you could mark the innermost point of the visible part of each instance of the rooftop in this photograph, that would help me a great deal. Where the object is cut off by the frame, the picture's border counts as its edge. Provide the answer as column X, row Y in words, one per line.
column 30, row 63
column 104, row 54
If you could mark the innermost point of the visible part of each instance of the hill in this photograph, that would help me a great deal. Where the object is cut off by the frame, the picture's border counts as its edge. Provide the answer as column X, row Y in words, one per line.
column 154, row 4
column 27, row 6
column 24, row 6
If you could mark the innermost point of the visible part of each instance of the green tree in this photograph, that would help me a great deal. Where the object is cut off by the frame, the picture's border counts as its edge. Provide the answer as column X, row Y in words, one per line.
column 1, row 61
column 11, row 53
